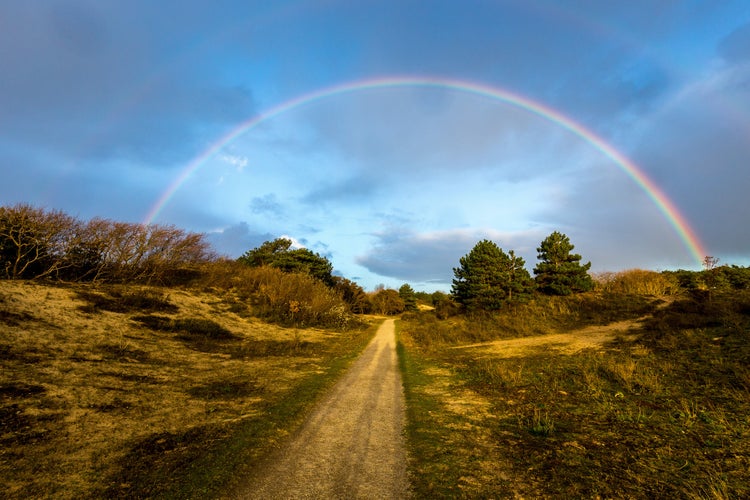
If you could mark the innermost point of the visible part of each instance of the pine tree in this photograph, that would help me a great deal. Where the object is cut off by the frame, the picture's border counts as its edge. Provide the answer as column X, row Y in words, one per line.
column 559, row 272
column 520, row 284
column 488, row 277
column 408, row 295
column 279, row 253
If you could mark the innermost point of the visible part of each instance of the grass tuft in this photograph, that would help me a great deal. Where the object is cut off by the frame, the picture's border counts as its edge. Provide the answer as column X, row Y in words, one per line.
column 540, row 424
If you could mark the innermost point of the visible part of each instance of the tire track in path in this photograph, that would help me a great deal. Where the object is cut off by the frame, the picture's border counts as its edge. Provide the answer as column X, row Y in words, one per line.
column 352, row 445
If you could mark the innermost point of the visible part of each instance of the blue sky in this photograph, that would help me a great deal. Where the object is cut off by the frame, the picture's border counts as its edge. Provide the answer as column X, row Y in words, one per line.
column 104, row 103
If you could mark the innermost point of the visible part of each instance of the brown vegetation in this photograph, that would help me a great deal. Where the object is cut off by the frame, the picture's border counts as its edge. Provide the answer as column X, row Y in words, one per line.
column 36, row 243
column 637, row 281
column 277, row 296
column 655, row 407
column 115, row 391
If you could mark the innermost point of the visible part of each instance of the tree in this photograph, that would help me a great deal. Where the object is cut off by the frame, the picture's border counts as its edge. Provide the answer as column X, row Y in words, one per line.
column 353, row 294
column 34, row 242
column 266, row 253
column 710, row 262
column 387, row 301
column 278, row 253
column 559, row 272
column 488, row 277
column 520, row 284
column 408, row 295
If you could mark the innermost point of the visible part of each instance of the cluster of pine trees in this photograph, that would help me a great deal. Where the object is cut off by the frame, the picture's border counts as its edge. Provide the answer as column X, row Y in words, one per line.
column 487, row 277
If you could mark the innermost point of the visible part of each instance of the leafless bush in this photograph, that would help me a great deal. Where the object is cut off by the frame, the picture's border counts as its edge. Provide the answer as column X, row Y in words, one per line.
column 35, row 243
column 153, row 254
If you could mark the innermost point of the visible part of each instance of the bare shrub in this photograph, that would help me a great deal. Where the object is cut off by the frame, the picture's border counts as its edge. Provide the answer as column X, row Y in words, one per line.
column 36, row 243
column 152, row 254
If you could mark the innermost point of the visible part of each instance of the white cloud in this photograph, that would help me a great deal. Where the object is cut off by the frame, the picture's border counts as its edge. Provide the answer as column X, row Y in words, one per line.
column 238, row 161
column 295, row 242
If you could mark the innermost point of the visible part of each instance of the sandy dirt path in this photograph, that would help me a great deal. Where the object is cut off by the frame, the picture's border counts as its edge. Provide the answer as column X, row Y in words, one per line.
column 592, row 337
column 352, row 445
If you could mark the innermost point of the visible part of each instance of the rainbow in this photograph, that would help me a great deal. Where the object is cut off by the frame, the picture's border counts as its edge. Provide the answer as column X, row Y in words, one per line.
column 660, row 199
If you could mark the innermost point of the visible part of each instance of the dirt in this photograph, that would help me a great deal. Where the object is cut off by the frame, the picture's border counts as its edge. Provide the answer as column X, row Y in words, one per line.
column 352, row 445
column 593, row 337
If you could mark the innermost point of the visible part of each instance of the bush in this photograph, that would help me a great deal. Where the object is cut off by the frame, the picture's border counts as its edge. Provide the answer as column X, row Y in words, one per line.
column 292, row 299
column 387, row 302
column 637, row 281
column 445, row 307
column 35, row 243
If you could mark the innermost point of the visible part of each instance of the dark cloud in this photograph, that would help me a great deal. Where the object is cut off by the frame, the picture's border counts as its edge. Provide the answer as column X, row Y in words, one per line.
column 429, row 258
column 416, row 133
column 82, row 82
column 697, row 151
column 103, row 103
column 79, row 27
column 238, row 239
column 363, row 187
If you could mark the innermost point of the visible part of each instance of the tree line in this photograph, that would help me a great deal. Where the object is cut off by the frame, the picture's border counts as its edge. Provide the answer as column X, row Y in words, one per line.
column 37, row 243
column 279, row 254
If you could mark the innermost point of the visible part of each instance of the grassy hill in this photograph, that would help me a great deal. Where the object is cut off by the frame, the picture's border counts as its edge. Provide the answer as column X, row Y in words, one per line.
column 134, row 391
column 590, row 396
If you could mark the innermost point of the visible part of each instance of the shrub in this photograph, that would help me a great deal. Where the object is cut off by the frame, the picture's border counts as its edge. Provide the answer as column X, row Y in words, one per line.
column 637, row 281
column 387, row 301
column 282, row 297
column 35, row 243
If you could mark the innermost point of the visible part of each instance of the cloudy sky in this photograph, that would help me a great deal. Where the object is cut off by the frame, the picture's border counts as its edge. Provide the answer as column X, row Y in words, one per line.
column 224, row 117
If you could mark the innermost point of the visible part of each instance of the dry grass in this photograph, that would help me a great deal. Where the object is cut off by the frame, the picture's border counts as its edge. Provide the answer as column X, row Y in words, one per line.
column 660, row 410
column 92, row 396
